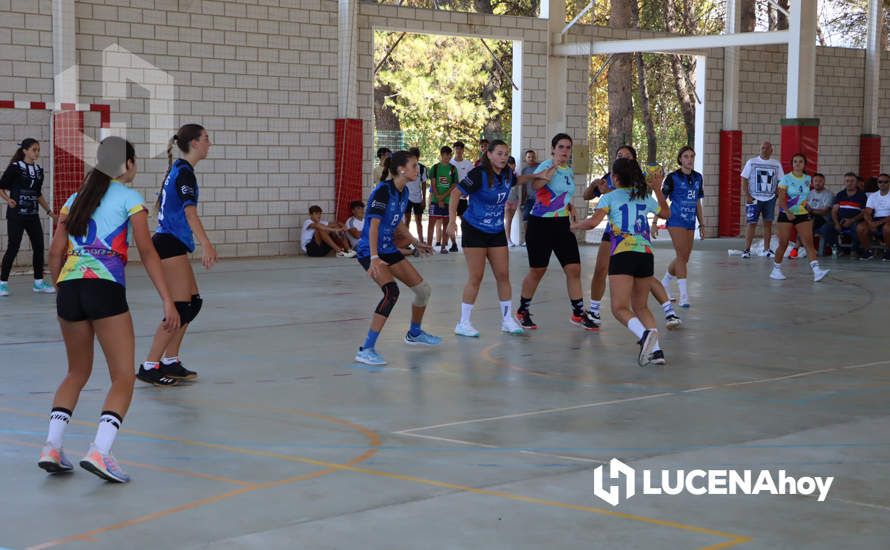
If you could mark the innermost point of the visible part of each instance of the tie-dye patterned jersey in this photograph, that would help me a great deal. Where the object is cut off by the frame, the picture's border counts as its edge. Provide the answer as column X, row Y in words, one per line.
column 629, row 221
column 102, row 252
column 552, row 200
column 797, row 190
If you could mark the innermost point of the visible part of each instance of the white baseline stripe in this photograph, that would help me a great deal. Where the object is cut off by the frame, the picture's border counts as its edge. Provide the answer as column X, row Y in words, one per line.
column 487, row 446
column 864, row 504
column 642, row 397
column 534, row 413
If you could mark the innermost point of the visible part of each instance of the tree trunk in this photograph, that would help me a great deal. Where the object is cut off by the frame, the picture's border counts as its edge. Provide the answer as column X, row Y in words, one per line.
column 619, row 83
column 484, row 6
column 682, row 25
column 651, row 138
column 748, row 9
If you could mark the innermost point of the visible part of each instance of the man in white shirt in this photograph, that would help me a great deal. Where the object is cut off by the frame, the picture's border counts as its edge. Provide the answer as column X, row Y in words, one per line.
column 417, row 195
column 876, row 220
column 760, row 179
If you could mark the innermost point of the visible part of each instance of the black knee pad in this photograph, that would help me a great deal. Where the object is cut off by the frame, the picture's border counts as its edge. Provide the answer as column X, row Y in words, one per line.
column 185, row 312
column 390, row 297
column 196, row 304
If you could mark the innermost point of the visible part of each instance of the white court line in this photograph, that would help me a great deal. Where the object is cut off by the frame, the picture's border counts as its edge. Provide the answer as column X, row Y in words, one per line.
column 534, row 413
column 864, row 504
column 487, row 446
column 641, row 398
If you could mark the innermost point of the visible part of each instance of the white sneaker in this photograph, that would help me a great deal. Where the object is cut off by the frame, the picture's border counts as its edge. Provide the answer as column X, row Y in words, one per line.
column 819, row 274
column 510, row 326
column 466, row 329
column 350, row 254
column 777, row 274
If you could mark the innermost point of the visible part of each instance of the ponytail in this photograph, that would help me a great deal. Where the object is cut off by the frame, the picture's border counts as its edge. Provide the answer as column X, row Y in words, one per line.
column 630, row 175
column 19, row 154
column 111, row 161
column 183, row 139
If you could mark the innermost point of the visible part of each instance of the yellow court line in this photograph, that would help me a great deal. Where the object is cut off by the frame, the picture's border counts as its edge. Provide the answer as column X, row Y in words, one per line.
column 430, row 482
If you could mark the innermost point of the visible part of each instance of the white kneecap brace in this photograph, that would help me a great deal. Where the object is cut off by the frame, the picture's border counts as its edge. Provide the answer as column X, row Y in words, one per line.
column 422, row 294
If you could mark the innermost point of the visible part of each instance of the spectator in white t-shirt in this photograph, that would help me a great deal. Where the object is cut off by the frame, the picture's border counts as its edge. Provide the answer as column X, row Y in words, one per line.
column 876, row 220
column 819, row 204
column 319, row 237
column 417, row 195
column 355, row 223
column 463, row 168
column 760, row 179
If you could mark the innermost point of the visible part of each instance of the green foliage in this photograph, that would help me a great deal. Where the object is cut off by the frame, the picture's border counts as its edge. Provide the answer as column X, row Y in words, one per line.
column 446, row 88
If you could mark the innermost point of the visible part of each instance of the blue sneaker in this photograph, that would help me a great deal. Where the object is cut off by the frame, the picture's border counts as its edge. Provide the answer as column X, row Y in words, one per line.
column 423, row 339
column 369, row 356
column 42, row 287
column 4, row 289
column 53, row 460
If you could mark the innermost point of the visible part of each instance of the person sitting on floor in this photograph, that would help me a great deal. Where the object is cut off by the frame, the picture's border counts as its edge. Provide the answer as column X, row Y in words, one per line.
column 319, row 237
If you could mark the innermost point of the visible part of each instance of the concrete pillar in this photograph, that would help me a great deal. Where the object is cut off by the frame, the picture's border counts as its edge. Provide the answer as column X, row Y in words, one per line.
column 870, row 140
column 516, row 130
column 65, row 80
column 731, row 69
column 801, row 92
column 557, row 70
column 347, row 52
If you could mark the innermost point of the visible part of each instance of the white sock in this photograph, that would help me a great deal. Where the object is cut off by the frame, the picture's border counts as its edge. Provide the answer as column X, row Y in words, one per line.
column 465, row 311
column 668, row 308
column 814, row 265
column 777, row 265
column 109, row 424
column 169, row 360
column 682, row 284
column 58, row 421
column 506, row 309
column 656, row 348
column 150, row 365
column 595, row 306
column 635, row 326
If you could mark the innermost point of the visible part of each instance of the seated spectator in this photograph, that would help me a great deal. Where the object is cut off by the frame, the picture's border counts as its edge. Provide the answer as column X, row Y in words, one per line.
column 846, row 213
column 355, row 223
column 319, row 237
column 876, row 220
column 819, row 205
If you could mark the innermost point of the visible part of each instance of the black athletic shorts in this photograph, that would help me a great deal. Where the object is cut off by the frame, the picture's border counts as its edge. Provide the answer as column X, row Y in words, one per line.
column 800, row 218
column 168, row 246
column 636, row 264
column 90, row 300
column 416, row 207
column 551, row 235
column 388, row 259
column 317, row 250
column 462, row 206
column 607, row 237
column 472, row 237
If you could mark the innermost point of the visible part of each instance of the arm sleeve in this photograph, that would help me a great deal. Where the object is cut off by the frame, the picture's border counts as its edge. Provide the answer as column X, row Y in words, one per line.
column 378, row 202
column 779, row 172
column 667, row 187
column 134, row 203
column 187, row 188
column 652, row 205
column 604, row 203
column 746, row 171
column 67, row 206
column 783, row 183
column 9, row 176
column 701, row 188
column 471, row 183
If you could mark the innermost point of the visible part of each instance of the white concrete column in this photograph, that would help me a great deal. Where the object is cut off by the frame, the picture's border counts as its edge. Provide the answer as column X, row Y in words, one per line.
column 730, row 71
column 872, row 69
column 801, row 92
column 557, row 69
column 347, row 51
column 516, row 130
column 65, row 80
column 701, row 86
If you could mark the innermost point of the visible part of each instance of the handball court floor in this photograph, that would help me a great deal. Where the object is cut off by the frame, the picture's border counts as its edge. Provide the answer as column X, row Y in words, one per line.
column 284, row 442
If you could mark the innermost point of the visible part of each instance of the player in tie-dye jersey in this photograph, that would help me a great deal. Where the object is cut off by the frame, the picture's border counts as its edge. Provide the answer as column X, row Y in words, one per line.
column 87, row 260
column 631, row 266
column 598, row 188
column 794, row 188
